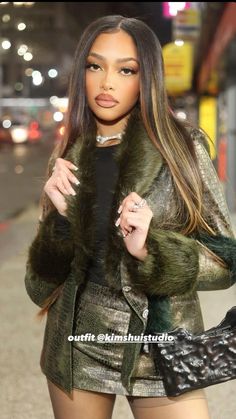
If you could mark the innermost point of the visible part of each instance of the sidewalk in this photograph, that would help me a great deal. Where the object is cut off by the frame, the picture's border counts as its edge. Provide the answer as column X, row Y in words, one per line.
column 24, row 392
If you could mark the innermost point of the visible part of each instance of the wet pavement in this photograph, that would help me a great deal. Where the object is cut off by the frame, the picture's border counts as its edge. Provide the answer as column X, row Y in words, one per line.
column 24, row 392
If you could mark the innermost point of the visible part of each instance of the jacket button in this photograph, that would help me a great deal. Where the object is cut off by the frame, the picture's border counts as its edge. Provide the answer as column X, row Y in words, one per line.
column 145, row 313
column 127, row 288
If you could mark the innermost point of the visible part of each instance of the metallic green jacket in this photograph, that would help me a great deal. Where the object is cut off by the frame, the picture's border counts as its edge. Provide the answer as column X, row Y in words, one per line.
column 174, row 270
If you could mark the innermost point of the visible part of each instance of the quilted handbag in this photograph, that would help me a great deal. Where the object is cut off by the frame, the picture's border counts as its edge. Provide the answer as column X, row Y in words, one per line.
column 190, row 362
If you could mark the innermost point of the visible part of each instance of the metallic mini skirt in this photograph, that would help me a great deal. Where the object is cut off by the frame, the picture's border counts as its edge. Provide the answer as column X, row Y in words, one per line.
column 97, row 365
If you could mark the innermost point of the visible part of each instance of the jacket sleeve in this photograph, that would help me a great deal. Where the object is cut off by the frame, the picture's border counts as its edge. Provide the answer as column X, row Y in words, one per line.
column 37, row 289
column 214, row 274
column 49, row 257
column 51, row 251
column 176, row 264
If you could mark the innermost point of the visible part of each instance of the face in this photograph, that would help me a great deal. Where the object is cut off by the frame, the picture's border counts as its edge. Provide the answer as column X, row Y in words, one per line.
column 112, row 69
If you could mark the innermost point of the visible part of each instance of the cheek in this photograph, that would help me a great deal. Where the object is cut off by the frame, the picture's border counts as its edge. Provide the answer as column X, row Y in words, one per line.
column 132, row 88
column 89, row 85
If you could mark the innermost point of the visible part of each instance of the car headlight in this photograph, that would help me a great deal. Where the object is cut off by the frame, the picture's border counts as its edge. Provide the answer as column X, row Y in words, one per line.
column 19, row 134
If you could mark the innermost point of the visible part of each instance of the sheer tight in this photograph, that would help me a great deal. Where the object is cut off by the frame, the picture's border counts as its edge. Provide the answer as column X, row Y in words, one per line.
column 192, row 405
column 83, row 404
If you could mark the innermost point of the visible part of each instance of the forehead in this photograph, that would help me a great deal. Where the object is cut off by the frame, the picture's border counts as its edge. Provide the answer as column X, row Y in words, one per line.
column 117, row 44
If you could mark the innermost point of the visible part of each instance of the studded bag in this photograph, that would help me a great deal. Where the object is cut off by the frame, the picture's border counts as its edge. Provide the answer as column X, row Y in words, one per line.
column 189, row 362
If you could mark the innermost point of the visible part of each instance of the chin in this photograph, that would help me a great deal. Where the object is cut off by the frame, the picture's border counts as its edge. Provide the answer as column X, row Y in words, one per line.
column 109, row 114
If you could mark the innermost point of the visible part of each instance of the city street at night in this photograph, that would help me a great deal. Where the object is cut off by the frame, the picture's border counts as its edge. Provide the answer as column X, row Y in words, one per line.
column 141, row 96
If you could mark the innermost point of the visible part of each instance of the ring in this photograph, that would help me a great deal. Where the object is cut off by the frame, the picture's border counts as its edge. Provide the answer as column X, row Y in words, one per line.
column 140, row 204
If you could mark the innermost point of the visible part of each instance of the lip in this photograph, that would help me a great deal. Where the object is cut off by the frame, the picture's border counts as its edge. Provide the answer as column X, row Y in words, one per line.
column 106, row 103
column 106, row 98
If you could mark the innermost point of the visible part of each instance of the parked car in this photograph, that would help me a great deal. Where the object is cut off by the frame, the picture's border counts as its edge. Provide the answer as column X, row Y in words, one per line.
column 34, row 132
column 16, row 132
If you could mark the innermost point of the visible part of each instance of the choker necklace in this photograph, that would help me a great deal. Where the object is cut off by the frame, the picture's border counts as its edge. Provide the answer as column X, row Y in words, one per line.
column 102, row 139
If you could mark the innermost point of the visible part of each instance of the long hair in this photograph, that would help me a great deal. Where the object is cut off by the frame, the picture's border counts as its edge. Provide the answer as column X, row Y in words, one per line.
column 168, row 134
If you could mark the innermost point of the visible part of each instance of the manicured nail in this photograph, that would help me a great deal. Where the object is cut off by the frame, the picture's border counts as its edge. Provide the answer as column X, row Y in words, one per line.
column 120, row 209
column 75, row 168
column 117, row 222
column 77, row 182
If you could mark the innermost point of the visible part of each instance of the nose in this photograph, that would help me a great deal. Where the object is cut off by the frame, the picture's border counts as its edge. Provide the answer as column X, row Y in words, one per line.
column 106, row 82
column 107, row 88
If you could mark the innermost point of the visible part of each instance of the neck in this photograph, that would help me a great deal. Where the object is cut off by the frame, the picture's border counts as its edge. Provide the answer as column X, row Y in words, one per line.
column 108, row 128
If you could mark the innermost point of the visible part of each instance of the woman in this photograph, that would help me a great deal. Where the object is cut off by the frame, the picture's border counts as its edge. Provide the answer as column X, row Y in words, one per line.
column 118, row 249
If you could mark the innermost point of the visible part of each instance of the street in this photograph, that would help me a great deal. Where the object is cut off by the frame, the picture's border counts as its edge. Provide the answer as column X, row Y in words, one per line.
column 22, row 169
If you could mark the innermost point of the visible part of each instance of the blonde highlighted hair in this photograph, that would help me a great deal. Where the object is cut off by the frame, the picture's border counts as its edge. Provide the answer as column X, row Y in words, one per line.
column 168, row 134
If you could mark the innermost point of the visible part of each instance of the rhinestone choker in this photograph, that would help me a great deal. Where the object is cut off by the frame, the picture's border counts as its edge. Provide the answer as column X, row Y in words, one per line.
column 102, row 139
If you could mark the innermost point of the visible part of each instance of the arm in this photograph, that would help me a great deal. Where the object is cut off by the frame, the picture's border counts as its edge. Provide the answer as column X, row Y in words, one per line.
column 176, row 264
column 37, row 289
column 51, row 252
column 213, row 274
column 49, row 258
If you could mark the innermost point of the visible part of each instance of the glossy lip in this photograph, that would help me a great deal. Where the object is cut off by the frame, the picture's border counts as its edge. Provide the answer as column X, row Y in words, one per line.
column 106, row 103
column 106, row 98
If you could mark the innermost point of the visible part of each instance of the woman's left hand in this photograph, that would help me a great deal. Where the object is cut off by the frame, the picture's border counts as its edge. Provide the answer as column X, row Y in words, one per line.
column 134, row 224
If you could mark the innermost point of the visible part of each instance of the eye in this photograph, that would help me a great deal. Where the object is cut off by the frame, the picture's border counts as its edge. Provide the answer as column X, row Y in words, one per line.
column 95, row 67
column 128, row 71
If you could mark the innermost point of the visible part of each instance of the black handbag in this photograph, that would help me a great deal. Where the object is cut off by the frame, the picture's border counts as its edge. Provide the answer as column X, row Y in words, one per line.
column 190, row 362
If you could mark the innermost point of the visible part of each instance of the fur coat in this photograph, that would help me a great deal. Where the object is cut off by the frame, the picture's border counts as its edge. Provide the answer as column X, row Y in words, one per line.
column 162, row 289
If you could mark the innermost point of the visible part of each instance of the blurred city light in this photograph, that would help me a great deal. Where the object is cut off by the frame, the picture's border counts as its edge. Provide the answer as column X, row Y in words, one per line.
column 179, row 42
column 6, row 123
column 6, row 18
column 6, row 44
column 53, row 100
column 22, row 49
column 181, row 115
column 36, row 73
column 62, row 130
column 28, row 72
column 19, row 86
column 19, row 169
column 170, row 8
column 28, row 56
column 37, row 78
column 58, row 116
column 21, row 26
column 52, row 73
column 19, row 135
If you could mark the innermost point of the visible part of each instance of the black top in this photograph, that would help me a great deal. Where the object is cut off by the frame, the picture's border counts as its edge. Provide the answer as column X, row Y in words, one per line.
column 106, row 172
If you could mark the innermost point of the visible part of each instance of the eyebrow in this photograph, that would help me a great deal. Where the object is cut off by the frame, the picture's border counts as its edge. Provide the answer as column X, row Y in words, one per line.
column 119, row 60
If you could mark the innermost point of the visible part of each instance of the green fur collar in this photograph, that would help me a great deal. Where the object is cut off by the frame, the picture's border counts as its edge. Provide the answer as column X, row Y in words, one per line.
column 139, row 164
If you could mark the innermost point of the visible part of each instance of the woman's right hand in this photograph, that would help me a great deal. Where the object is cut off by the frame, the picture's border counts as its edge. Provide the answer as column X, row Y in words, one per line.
column 59, row 185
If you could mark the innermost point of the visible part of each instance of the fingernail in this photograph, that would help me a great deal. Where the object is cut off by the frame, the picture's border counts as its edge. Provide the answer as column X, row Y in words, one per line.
column 75, row 168
column 117, row 222
column 77, row 182
column 120, row 209
column 73, row 192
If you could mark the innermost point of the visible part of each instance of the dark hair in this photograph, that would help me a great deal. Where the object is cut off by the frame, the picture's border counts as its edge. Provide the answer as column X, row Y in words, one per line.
column 168, row 134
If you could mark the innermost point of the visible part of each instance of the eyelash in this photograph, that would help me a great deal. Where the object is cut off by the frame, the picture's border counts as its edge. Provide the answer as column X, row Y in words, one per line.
column 88, row 66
